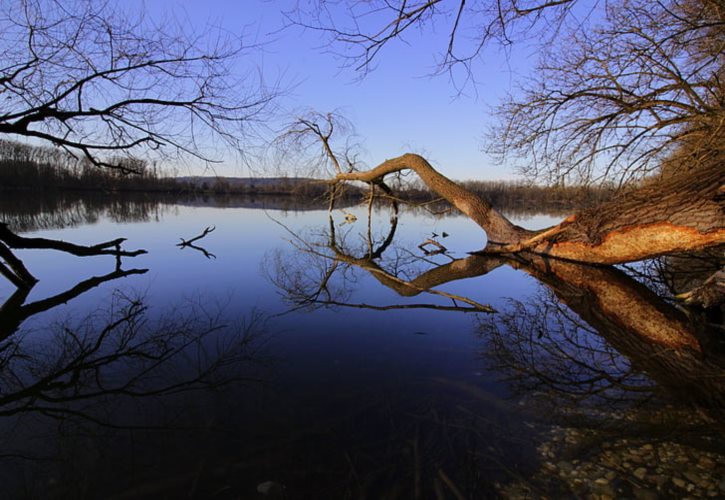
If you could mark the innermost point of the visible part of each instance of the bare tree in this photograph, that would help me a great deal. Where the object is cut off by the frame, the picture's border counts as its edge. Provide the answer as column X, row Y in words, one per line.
column 360, row 31
column 100, row 81
column 107, row 85
column 637, row 93
column 640, row 93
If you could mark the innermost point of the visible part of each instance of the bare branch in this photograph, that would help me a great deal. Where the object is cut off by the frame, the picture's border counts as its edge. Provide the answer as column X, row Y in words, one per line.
column 93, row 78
column 189, row 243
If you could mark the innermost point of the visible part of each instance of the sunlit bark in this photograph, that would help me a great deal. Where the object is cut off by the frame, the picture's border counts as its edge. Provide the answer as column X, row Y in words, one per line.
column 678, row 214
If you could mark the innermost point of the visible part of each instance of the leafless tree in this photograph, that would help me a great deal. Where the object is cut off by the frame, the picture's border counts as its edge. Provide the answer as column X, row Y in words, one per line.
column 103, row 82
column 633, row 91
column 360, row 31
column 106, row 86
column 619, row 98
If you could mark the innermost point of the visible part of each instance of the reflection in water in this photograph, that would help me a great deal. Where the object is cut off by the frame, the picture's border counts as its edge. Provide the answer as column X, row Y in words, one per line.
column 618, row 367
column 616, row 381
column 74, row 399
column 307, row 278
column 584, row 384
column 57, row 210
column 14, row 311
column 62, row 209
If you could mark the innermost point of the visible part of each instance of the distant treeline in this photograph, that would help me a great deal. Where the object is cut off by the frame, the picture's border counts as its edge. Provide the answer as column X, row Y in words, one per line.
column 517, row 193
column 268, row 186
column 24, row 166
column 28, row 167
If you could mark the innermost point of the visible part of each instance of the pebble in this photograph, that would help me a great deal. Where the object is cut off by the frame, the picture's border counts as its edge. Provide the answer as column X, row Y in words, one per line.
column 660, row 481
column 270, row 488
column 691, row 476
column 565, row 466
column 644, row 494
column 678, row 482
column 640, row 473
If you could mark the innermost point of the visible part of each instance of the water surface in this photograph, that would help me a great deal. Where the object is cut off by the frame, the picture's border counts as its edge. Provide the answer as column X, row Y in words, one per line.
column 309, row 357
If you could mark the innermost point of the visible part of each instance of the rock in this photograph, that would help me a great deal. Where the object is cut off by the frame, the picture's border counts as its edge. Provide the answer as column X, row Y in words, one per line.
column 680, row 483
column 640, row 473
column 691, row 476
column 705, row 484
column 660, row 481
column 644, row 494
column 270, row 488
column 565, row 467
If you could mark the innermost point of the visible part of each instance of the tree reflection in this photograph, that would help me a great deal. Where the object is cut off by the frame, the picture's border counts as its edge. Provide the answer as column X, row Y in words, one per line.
column 590, row 329
column 322, row 274
column 115, row 352
column 615, row 317
column 15, row 310
column 119, row 374
column 614, row 365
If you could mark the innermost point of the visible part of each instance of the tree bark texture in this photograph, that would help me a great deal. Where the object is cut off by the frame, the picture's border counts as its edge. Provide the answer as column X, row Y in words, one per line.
column 677, row 214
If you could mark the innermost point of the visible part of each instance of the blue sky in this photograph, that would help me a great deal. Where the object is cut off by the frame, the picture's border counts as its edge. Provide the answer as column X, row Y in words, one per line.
column 394, row 109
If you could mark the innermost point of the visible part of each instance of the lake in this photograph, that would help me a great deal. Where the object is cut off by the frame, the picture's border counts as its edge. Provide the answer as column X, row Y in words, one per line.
column 287, row 354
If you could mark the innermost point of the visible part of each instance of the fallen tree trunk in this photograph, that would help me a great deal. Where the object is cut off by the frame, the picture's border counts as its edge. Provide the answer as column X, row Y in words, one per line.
column 681, row 213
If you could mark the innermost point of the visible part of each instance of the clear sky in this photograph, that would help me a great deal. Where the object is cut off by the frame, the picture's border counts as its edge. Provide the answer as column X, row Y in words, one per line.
column 394, row 109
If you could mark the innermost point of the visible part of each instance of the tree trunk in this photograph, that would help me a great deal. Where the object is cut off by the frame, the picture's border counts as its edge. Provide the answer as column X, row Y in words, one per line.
column 678, row 214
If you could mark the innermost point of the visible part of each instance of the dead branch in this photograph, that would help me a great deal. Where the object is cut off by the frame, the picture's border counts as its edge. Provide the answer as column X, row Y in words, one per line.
column 15, row 310
column 186, row 243
column 189, row 243
column 112, row 247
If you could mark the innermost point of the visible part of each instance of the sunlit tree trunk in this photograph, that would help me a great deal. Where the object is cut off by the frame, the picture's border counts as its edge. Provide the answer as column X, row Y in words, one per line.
column 678, row 214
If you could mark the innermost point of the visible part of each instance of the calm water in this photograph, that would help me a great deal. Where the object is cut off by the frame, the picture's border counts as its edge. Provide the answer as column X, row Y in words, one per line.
column 308, row 358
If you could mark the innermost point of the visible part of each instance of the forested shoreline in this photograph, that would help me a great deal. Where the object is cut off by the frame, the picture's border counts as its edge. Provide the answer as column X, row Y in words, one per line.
column 26, row 167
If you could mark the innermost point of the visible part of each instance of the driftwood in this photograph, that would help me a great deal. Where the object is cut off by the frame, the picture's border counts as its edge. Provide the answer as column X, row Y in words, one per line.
column 189, row 243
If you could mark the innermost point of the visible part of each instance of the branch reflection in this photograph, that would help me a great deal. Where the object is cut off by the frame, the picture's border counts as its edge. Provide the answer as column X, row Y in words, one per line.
column 322, row 271
column 15, row 311
column 591, row 327
column 595, row 352
column 120, row 375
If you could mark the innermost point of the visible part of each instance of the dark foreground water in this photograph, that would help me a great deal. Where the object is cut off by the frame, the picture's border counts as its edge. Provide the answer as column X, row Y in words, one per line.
column 294, row 356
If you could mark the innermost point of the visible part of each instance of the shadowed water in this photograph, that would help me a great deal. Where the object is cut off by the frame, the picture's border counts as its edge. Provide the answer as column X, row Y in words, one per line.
column 303, row 356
